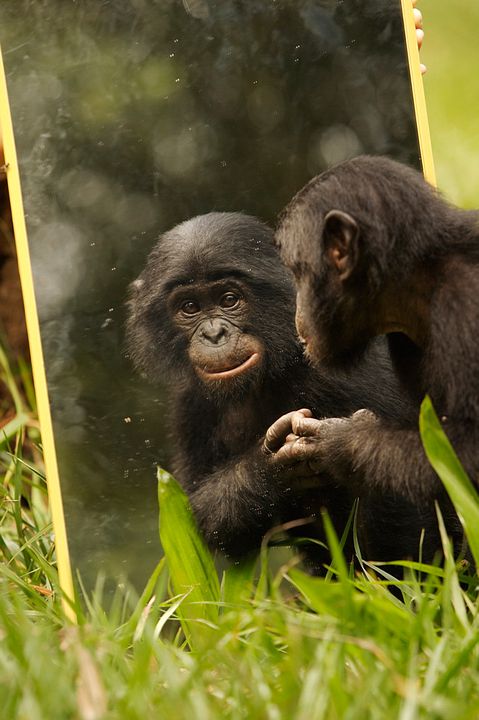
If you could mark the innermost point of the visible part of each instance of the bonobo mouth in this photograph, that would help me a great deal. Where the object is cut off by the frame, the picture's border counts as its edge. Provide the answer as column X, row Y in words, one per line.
column 229, row 372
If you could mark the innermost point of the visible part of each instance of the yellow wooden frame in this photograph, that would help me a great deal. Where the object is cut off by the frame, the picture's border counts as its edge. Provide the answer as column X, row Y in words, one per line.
column 26, row 278
column 419, row 98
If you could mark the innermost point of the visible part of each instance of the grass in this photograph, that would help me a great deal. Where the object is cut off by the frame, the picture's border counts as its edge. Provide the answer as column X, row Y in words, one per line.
column 251, row 644
column 286, row 645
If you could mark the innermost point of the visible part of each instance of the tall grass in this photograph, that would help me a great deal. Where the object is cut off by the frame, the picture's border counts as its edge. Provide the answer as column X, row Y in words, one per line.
column 250, row 644
column 26, row 547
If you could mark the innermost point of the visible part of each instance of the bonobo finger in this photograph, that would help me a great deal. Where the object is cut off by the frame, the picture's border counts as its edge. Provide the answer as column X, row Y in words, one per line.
column 282, row 458
column 364, row 416
column 303, row 426
column 278, row 431
column 299, row 415
column 303, row 448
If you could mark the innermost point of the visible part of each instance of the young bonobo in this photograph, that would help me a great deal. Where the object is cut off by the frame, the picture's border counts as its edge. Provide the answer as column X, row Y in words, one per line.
column 374, row 249
column 213, row 313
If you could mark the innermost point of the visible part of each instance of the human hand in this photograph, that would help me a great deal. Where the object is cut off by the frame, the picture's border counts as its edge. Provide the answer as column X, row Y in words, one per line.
column 419, row 30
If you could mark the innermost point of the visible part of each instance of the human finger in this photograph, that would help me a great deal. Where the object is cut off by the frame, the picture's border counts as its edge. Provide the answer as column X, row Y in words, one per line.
column 419, row 37
column 417, row 17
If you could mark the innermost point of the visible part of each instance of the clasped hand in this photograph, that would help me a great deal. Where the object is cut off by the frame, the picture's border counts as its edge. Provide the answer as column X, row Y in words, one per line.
column 297, row 442
column 305, row 447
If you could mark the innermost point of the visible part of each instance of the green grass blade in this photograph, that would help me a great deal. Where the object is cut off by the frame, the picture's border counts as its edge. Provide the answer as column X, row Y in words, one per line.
column 9, row 430
column 334, row 599
column 335, row 547
column 190, row 564
column 9, row 380
column 155, row 581
column 238, row 581
column 445, row 462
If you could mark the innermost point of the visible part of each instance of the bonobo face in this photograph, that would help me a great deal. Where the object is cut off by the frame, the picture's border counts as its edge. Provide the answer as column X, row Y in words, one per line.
column 213, row 309
column 334, row 332
column 213, row 317
column 320, row 335
column 305, row 325
column 321, row 248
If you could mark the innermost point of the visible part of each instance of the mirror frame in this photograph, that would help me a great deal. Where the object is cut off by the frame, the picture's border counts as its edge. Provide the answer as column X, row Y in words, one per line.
column 33, row 327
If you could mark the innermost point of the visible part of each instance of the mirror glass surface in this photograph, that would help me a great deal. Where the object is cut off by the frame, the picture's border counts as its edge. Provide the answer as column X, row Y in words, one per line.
column 131, row 116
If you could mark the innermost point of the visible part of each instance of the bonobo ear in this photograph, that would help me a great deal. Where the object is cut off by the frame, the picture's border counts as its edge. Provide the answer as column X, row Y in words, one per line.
column 340, row 242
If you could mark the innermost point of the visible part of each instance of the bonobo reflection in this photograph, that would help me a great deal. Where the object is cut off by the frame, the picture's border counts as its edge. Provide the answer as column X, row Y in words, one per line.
column 213, row 311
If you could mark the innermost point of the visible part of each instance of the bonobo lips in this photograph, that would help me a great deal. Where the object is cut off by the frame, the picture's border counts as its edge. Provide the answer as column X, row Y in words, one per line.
column 229, row 372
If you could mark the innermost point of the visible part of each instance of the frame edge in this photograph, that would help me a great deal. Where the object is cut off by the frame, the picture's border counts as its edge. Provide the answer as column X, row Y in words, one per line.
column 419, row 98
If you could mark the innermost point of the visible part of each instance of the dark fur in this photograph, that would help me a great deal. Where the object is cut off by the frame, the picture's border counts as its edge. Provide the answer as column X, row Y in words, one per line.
column 415, row 249
column 217, row 432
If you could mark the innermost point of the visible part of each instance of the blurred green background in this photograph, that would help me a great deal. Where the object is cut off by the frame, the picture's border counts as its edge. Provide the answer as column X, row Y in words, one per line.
column 451, row 53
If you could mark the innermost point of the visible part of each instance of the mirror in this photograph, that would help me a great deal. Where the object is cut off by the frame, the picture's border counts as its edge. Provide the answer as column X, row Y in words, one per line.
column 130, row 117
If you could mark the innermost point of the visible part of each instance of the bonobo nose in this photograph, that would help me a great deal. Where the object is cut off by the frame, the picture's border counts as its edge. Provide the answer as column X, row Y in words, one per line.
column 214, row 331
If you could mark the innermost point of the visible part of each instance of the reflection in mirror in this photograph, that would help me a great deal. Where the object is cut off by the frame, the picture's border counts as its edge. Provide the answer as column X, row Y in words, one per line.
column 130, row 118
column 213, row 313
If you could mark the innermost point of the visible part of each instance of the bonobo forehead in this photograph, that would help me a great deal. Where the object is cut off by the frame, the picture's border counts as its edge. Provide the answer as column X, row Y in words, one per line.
column 298, row 239
column 216, row 245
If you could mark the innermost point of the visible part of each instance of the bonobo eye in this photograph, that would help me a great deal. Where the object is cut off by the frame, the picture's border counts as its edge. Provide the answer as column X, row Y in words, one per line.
column 229, row 300
column 189, row 307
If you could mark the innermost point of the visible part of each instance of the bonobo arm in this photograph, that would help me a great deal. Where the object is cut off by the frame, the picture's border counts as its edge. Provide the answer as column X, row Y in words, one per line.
column 239, row 502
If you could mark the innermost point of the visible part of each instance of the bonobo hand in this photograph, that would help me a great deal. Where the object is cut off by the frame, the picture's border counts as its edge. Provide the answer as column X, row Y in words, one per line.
column 308, row 447
column 294, row 441
column 278, row 445
column 284, row 430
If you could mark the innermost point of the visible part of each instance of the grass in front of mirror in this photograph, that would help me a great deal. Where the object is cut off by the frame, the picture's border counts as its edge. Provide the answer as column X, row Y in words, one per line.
column 285, row 645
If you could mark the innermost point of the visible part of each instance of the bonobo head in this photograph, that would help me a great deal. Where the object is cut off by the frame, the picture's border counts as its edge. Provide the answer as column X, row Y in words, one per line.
column 214, row 305
column 356, row 238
